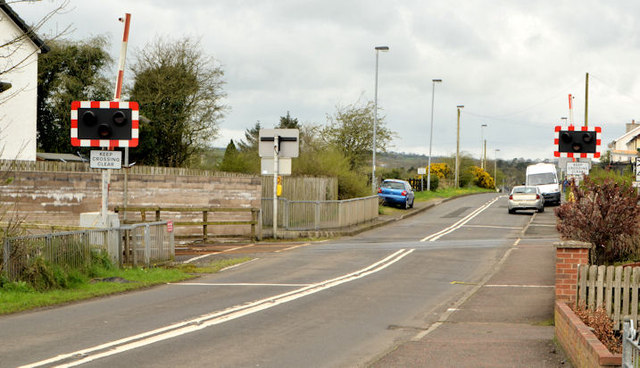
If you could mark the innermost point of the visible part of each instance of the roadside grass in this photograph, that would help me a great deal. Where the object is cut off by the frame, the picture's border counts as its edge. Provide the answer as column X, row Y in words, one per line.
column 19, row 296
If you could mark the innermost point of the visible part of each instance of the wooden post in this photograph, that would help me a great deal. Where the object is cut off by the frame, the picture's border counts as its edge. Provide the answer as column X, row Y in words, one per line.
column 204, row 226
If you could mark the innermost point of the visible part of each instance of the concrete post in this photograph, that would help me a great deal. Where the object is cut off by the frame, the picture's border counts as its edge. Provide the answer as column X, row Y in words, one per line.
column 569, row 254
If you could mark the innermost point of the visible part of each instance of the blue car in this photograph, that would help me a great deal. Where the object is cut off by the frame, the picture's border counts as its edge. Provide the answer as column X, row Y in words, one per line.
column 396, row 192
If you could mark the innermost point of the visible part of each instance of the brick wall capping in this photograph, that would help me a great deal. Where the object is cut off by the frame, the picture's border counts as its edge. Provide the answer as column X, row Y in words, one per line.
column 572, row 244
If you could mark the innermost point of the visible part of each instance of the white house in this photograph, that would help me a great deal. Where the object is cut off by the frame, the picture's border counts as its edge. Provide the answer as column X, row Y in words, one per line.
column 18, row 104
column 625, row 147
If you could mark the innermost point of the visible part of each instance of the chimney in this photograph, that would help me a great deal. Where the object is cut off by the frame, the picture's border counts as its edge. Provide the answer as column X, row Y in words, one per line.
column 632, row 126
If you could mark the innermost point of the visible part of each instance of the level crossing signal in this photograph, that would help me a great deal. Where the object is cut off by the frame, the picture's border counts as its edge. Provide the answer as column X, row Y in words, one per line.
column 104, row 124
column 577, row 142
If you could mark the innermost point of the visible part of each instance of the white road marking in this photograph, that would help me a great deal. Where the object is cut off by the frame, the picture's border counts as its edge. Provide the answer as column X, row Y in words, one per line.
column 234, row 284
column 460, row 223
column 214, row 318
column 238, row 265
column 224, row 251
column 494, row 227
column 293, row 247
column 521, row 286
column 456, row 306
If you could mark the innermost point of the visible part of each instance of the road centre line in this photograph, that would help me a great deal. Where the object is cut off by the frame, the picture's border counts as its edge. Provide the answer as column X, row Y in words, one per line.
column 181, row 328
column 459, row 223
column 234, row 284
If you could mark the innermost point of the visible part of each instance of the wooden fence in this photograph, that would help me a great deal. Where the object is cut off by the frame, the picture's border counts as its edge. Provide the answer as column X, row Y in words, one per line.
column 303, row 188
column 178, row 213
column 615, row 289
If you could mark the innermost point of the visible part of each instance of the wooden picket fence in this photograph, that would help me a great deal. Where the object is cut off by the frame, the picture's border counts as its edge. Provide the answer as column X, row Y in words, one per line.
column 613, row 288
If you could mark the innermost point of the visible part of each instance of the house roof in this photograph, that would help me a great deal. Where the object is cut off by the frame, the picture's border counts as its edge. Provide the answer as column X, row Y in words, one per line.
column 628, row 136
column 64, row 157
column 28, row 30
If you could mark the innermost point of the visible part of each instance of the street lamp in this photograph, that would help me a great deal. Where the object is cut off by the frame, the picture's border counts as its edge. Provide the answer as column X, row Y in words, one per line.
column 459, row 107
column 482, row 149
column 495, row 167
column 375, row 119
column 433, row 90
column 564, row 121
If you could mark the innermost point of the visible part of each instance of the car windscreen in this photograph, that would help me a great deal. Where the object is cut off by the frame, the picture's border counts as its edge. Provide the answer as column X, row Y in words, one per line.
column 542, row 179
column 525, row 190
column 392, row 185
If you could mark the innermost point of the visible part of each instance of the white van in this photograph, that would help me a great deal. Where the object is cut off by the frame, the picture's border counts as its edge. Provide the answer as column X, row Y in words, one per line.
column 545, row 177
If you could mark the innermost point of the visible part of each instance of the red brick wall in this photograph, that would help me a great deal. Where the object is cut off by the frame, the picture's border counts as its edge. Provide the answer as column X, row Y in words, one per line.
column 569, row 254
column 579, row 343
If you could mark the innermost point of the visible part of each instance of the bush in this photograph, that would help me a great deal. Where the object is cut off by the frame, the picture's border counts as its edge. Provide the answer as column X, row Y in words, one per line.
column 481, row 178
column 602, row 327
column 606, row 215
column 435, row 182
column 440, row 170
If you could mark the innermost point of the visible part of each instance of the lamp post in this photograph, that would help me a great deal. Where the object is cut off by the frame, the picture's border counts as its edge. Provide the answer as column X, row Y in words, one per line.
column 457, row 185
column 482, row 154
column 375, row 119
column 495, row 167
column 433, row 90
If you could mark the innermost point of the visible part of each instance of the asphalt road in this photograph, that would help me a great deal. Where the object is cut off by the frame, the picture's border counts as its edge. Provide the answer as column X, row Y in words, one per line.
column 341, row 303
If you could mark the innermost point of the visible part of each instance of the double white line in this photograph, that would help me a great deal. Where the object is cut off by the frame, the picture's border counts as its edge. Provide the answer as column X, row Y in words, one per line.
column 460, row 223
column 147, row 338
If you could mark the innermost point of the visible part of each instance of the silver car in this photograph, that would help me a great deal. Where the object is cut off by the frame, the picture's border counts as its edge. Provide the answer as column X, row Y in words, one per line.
column 526, row 198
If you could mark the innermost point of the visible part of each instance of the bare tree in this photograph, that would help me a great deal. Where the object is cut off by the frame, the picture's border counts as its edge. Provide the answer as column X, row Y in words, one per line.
column 9, row 48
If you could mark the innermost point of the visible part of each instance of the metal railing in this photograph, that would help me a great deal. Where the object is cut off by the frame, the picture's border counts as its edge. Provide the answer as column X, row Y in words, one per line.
column 316, row 215
column 131, row 244
column 630, row 345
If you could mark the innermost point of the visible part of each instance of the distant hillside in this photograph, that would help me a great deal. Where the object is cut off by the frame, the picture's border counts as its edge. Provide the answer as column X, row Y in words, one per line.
column 396, row 160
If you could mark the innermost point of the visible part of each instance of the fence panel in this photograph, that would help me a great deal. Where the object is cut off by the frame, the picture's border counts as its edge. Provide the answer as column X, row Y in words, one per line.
column 302, row 188
column 615, row 289
column 148, row 243
column 316, row 215
column 630, row 345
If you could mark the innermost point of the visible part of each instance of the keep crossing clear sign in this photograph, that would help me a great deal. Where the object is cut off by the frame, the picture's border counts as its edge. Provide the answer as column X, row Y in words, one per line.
column 105, row 160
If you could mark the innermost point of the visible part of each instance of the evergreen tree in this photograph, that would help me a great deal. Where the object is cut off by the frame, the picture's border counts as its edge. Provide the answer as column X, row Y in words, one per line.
column 232, row 160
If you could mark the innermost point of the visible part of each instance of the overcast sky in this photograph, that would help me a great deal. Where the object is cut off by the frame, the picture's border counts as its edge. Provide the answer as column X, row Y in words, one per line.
column 511, row 63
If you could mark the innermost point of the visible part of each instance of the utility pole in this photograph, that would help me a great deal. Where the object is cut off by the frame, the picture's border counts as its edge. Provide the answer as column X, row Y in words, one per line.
column 484, row 156
column 457, row 185
column 586, row 101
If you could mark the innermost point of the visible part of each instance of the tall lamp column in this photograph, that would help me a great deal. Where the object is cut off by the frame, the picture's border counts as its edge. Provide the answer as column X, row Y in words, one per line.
column 433, row 90
column 375, row 120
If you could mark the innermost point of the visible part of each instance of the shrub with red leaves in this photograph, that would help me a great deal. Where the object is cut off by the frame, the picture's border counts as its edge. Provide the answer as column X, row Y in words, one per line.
column 602, row 327
column 605, row 214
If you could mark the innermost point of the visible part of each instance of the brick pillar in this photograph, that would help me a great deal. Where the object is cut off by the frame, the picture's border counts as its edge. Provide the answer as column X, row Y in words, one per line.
column 569, row 254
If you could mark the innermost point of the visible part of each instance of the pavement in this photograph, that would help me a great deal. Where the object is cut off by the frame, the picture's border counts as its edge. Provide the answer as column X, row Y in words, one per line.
column 506, row 320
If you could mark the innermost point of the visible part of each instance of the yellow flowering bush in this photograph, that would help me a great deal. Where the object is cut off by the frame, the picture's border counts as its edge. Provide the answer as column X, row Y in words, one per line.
column 441, row 170
column 482, row 178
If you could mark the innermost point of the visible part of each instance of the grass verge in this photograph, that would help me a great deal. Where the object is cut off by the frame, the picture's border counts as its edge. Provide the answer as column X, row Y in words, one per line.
column 448, row 192
column 17, row 297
